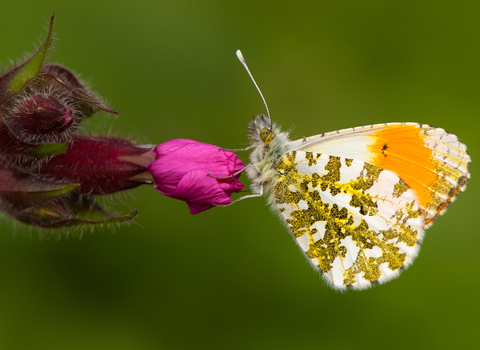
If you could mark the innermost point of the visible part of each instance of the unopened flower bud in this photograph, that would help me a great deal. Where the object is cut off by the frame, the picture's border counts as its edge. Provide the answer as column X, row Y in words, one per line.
column 41, row 115
column 94, row 163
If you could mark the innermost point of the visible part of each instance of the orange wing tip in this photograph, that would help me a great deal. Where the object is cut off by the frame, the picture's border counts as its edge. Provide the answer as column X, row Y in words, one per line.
column 431, row 161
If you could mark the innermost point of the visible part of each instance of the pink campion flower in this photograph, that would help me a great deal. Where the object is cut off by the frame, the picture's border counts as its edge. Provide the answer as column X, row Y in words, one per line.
column 182, row 167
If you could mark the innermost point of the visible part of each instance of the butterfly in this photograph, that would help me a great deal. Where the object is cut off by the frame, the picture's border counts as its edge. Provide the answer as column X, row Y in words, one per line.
column 357, row 201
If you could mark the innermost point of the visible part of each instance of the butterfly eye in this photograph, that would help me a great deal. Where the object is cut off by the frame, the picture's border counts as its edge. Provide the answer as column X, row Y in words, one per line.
column 264, row 133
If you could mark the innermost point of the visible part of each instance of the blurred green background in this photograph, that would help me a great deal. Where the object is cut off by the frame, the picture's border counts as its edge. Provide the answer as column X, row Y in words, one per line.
column 232, row 278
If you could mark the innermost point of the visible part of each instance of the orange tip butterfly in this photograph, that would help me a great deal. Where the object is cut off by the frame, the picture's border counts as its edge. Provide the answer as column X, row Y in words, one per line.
column 357, row 201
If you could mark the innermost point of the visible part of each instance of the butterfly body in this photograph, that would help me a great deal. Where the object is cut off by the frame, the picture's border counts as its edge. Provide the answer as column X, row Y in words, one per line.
column 357, row 201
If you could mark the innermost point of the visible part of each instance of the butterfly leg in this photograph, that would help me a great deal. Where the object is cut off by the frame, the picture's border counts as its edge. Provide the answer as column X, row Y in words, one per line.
column 258, row 194
column 233, row 175
column 239, row 149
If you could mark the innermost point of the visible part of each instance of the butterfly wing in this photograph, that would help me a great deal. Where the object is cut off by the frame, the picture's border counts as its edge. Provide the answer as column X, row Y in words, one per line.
column 357, row 223
column 432, row 162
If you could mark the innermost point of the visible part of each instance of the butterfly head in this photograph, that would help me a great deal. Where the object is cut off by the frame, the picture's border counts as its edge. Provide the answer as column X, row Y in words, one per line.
column 260, row 131
column 267, row 137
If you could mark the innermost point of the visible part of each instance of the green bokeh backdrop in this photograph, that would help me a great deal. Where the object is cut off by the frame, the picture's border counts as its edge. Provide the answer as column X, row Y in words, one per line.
column 231, row 278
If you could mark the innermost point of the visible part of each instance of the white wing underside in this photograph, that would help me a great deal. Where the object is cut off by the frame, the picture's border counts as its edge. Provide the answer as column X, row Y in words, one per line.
column 348, row 143
column 361, row 246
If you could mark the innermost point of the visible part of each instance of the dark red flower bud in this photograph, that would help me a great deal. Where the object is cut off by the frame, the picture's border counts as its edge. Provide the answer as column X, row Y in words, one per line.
column 41, row 115
column 41, row 108
column 94, row 163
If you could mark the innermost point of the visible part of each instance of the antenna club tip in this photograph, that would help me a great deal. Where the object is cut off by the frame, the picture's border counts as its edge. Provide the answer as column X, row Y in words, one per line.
column 242, row 60
column 239, row 55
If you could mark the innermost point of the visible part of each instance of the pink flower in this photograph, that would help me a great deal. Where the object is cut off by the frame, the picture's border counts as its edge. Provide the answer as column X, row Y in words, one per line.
column 182, row 168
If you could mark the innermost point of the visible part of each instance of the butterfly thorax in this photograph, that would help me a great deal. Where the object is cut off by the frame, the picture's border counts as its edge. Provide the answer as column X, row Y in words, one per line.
column 271, row 145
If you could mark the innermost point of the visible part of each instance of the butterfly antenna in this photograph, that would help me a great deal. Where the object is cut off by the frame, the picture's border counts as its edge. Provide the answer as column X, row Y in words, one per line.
column 242, row 61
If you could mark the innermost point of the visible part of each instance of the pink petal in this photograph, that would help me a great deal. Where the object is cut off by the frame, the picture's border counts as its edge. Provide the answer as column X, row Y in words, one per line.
column 181, row 156
column 199, row 191
column 196, row 208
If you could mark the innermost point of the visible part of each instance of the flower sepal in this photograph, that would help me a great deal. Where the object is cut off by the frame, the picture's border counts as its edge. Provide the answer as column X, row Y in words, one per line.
column 21, row 190
column 14, row 80
column 63, row 213
column 68, row 85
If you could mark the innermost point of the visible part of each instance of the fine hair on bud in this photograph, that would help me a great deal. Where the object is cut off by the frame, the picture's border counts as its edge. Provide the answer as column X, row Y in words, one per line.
column 43, row 116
